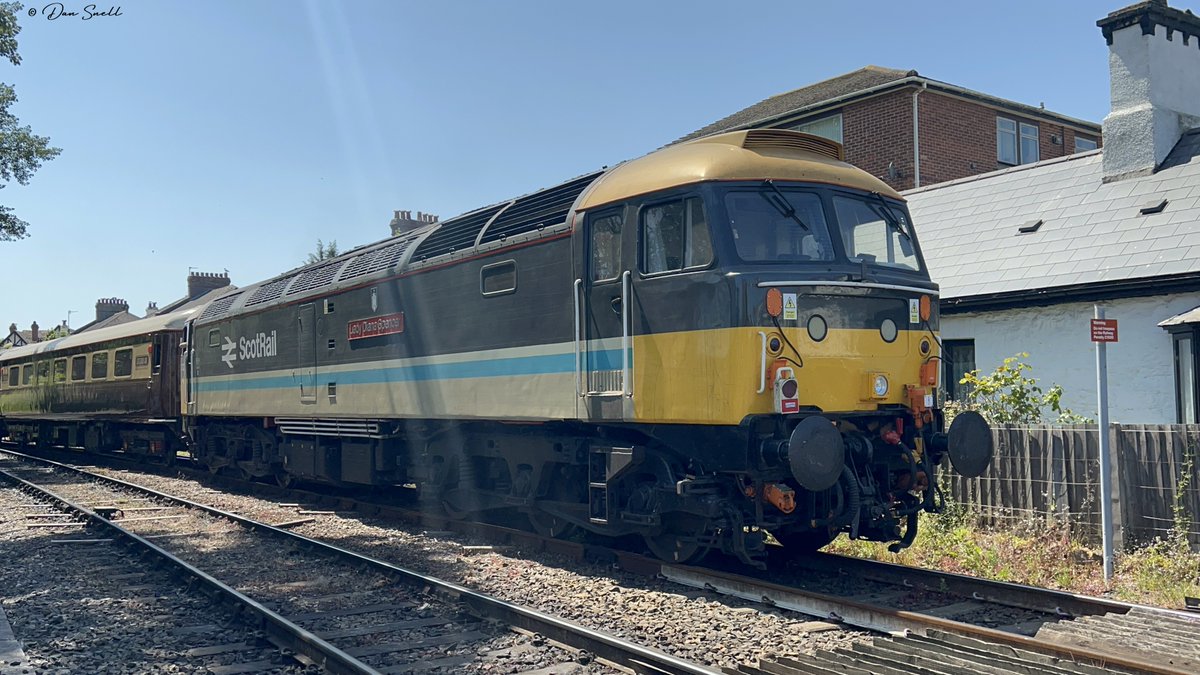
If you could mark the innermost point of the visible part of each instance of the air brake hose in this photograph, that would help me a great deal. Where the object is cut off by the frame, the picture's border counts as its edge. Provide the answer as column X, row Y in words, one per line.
column 853, row 499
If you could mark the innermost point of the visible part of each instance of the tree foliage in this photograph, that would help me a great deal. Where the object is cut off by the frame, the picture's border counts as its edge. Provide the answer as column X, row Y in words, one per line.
column 21, row 151
column 324, row 252
column 1009, row 395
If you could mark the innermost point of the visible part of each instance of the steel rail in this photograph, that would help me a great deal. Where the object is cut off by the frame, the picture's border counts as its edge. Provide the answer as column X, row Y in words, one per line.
column 279, row 630
column 1048, row 600
column 640, row 658
column 894, row 621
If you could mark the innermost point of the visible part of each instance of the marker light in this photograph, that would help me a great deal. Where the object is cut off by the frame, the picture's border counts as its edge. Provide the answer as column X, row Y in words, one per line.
column 879, row 385
column 774, row 302
column 888, row 330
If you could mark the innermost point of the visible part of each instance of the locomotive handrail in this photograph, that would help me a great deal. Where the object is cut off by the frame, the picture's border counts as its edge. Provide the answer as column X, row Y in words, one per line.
column 762, row 368
column 578, row 364
column 625, row 388
column 850, row 284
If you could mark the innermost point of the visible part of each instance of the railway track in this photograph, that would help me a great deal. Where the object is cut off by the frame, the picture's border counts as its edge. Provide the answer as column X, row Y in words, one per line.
column 338, row 609
column 927, row 615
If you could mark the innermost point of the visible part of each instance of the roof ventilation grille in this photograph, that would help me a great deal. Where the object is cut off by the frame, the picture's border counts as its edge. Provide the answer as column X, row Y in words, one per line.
column 782, row 138
column 1030, row 226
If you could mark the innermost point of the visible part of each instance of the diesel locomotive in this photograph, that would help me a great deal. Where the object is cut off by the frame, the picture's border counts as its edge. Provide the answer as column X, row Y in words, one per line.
column 724, row 338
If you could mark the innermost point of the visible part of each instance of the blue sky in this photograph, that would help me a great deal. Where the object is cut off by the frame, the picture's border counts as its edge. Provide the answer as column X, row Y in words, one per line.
column 234, row 134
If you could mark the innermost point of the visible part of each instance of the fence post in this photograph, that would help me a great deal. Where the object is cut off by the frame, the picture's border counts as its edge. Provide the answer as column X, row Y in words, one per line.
column 1117, row 441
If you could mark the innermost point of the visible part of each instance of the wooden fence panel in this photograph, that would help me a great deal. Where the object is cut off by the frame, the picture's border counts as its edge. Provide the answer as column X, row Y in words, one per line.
column 1052, row 474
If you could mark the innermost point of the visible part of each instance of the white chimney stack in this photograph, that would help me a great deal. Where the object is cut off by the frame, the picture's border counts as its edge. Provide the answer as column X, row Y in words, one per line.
column 1154, row 71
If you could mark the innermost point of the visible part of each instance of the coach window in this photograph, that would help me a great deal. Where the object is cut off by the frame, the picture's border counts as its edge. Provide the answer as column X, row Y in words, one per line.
column 60, row 370
column 675, row 237
column 27, row 374
column 123, row 363
column 499, row 278
column 14, row 376
column 606, row 246
column 78, row 368
column 100, row 366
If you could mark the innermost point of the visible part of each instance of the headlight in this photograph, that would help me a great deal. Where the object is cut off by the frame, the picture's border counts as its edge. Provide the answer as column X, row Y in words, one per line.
column 817, row 328
column 880, row 385
column 888, row 330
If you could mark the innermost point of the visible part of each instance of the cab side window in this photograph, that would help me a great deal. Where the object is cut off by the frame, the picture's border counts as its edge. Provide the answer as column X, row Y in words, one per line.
column 606, row 246
column 675, row 237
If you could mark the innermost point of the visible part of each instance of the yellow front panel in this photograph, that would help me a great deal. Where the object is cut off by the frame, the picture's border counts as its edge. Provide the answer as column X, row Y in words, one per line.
column 712, row 376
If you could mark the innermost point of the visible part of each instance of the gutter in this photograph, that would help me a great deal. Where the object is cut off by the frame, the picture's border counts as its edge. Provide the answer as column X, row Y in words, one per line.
column 1085, row 292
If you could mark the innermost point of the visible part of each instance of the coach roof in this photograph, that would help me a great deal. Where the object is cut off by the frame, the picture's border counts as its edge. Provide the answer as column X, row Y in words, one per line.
column 173, row 321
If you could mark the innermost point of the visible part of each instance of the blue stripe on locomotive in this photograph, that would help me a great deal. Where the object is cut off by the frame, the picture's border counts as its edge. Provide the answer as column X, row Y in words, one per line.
column 608, row 359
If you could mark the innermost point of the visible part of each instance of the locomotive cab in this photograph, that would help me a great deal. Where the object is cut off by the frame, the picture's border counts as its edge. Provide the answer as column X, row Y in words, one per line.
column 767, row 320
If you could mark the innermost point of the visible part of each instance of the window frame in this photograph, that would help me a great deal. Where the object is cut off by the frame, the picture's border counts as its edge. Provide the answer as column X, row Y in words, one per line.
column 1018, row 132
column 795, row 126
column 116, row 363
column 92, row 368
column 621, row 214
column 71, row 368
column 641, row 240
column 14, row 376
column 28, row 375
column 1085, row 139
column 54, row 377
column 950, row 384
column 1192, row 336
column 483, row 273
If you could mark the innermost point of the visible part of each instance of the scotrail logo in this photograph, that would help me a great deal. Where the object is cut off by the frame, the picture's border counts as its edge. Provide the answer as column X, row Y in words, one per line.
column 257, row 347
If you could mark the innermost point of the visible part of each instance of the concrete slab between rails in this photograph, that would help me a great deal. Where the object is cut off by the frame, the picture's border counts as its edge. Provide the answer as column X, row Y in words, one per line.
column 12, row 654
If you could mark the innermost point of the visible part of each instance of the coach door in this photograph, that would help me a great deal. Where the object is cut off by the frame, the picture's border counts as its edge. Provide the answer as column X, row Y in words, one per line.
column 605, row 349
column 306, row 340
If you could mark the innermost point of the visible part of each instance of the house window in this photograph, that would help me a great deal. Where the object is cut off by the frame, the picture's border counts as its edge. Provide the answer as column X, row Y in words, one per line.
column 827, row 127
column 78, row 368
column 100, row 366
column 958, row 359
column 1185, row 378
column 675, row 237
column 1016, row 143
column 1084, row 144
column 123, row 363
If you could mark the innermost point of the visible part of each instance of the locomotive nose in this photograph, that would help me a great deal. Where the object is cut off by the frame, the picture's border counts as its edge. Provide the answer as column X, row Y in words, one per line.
column 816, row 453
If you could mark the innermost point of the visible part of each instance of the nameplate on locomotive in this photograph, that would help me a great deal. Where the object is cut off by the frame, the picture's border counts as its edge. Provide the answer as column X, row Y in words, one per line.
column 388, row 324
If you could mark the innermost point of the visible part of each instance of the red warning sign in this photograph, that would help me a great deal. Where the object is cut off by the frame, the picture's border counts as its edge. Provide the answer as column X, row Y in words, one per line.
column 1104, row 330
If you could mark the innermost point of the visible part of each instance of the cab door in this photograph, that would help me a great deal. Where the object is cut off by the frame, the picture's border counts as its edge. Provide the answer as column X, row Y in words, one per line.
column 306, row 337
column 605, row 345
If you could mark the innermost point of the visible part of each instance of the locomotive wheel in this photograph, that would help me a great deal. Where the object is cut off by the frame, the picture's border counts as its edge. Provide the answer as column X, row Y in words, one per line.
column 677, row 540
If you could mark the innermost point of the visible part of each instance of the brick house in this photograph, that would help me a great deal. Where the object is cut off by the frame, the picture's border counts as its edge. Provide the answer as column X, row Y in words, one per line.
column 959, row 132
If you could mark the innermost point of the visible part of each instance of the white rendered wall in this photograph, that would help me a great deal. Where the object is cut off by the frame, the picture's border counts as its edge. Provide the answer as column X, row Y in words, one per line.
column 1141, row 380
column 1155, row 92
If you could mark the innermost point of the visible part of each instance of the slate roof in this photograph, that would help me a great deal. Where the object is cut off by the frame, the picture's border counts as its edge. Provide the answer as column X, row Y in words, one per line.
column 1091, row 231
column 111, row 320
column 835, row 87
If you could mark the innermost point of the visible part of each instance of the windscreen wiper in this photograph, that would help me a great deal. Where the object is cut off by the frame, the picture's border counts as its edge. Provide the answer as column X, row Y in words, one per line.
column 887, row 214
column 780, row 202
